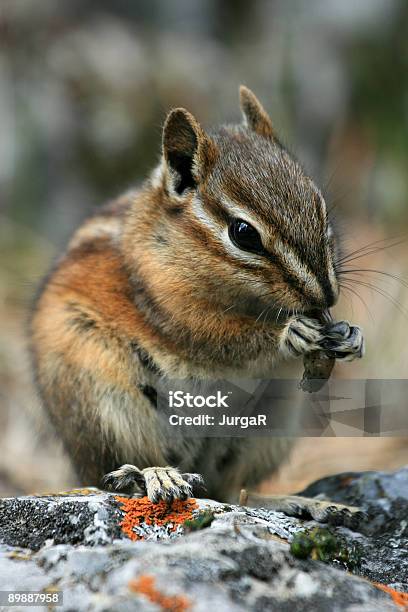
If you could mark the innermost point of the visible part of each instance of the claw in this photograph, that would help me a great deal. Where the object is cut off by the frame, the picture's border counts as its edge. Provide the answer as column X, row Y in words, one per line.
column 158, row 483
column 345, row 342
column 302, row 335
column 123, row 478
column 340, row 329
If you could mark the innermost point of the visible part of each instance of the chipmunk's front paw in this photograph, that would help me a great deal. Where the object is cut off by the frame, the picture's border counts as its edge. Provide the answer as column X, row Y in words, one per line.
column 158, row 483
column 343, row 341
column 301, row 335
column 167, row 484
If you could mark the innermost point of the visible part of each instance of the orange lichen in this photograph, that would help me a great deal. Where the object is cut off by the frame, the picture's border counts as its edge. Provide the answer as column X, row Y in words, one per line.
column 399, row 597
column 145, row 585
column 142, row 511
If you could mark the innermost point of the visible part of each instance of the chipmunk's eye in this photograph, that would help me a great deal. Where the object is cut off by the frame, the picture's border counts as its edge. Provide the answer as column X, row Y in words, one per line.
column 245, row 236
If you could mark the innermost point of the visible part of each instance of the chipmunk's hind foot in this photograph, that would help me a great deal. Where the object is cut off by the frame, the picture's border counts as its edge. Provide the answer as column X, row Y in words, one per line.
column 310, row 507
column 158, row 483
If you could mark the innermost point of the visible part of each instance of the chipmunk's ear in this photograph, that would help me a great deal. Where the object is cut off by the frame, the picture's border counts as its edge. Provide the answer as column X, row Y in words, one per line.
column 188, row 151
column 255, row 116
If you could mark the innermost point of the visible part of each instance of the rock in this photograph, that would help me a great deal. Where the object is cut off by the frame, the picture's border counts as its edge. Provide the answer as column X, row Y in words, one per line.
column 236, row 558
column 383, row 538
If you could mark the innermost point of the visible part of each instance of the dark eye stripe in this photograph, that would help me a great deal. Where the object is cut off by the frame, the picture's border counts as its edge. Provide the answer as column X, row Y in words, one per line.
column 291, row 279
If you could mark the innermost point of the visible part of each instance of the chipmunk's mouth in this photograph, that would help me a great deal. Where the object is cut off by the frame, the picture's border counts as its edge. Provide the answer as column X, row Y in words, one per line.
column 280, row 314
column 276, row 315
column 324, row 316
column 279, row 306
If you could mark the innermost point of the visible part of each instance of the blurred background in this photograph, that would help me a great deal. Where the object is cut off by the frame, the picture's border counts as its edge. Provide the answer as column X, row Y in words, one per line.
column 84, row 89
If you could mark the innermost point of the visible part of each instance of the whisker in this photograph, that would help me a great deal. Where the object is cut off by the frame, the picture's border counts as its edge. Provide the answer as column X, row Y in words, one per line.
column 403, row 282
column 374, row 243
column 385, row 294
column 265, row 317
column 345, row 288
column 369, row 249
column 354, row 292
column 260, row 315
column 229, row 308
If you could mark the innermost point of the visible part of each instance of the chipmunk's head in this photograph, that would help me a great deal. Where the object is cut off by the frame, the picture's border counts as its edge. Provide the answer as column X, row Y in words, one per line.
column 249, row 223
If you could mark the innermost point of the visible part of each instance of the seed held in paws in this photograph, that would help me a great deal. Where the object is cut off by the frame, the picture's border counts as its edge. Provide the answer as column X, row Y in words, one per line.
column 318, row 368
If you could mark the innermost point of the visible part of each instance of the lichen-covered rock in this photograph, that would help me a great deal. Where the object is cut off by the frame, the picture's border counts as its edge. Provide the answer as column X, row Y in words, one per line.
column 85, row 516
column 383, row 536
column 231, row 558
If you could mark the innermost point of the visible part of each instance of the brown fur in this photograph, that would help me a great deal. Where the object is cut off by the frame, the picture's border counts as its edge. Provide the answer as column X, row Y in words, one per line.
column 147, row 289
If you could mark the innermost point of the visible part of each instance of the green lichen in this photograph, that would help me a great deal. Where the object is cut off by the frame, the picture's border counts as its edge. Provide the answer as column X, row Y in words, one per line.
column 323, row 545
column 201, row 521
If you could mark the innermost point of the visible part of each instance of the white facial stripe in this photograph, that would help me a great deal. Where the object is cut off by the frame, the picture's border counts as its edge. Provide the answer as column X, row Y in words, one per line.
column 202, row 215
column 298, row 268
column 239, row 212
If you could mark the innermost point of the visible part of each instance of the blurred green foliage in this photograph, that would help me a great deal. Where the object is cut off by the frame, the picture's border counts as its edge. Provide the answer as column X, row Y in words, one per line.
column 379, row 84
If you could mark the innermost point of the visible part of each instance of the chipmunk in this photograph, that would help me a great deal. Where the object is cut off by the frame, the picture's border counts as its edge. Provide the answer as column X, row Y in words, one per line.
column 215, row 267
